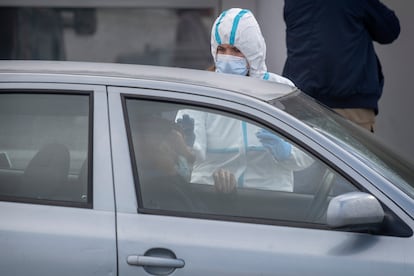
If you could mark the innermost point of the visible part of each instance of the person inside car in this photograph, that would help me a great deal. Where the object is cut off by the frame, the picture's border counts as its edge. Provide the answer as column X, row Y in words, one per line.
column 165, row 162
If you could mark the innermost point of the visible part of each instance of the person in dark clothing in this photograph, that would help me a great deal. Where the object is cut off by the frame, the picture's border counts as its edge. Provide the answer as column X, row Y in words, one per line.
column 331, row 56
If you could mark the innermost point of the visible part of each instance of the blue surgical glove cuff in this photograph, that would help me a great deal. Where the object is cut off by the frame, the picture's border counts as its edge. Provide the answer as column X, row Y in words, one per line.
column 279, row 148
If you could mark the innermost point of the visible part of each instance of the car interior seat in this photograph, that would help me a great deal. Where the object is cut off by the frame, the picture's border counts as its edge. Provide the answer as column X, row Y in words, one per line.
column 47, row 173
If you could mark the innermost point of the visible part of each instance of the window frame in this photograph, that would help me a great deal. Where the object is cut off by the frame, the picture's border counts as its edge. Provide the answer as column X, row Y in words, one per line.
column 257, row 111
column 238, row 113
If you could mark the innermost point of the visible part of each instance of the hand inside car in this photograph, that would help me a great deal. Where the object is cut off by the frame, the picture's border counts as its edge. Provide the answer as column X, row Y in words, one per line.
column 187, row 125
column 224, row 181
column 177, row 141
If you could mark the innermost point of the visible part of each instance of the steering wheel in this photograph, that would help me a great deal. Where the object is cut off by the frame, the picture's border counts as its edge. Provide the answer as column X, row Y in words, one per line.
column 319, row 204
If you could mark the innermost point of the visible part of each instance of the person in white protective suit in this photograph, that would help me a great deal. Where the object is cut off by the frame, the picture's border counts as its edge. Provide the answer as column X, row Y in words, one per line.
column 231, row 153
column 238, row 46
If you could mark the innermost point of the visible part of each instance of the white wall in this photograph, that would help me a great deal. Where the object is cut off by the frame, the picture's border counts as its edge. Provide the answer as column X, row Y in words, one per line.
column 395, row 124
column 270, row 17
column 395, row 120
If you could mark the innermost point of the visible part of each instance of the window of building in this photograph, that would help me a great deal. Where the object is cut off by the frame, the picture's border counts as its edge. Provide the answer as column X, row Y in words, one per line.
column 168, row 36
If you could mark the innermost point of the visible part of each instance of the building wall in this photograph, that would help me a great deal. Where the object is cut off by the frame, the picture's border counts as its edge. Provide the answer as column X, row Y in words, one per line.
column 395, row 123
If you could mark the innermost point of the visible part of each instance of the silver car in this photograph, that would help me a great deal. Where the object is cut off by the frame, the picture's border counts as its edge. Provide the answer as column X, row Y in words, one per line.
column 84, row 150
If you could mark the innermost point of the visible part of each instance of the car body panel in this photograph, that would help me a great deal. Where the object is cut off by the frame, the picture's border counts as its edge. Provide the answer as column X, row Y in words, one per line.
column 41, row 239
column 64, row 237
column 215, row 247
column 82, row 71
column 196, row 240
column 54, row 240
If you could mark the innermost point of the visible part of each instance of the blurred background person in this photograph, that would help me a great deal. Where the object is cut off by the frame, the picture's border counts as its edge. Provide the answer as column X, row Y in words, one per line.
column 331, row 56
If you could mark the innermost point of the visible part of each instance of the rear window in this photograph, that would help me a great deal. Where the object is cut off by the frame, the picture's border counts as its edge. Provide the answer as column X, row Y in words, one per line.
column 44, row 145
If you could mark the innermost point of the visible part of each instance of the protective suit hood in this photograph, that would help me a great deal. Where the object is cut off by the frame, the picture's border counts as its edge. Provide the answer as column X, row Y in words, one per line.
column 239, row 28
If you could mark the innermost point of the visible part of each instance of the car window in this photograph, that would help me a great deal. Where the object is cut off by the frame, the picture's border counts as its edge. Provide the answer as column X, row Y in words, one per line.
column 44, row 143
column 369, row 148
column 204, row 162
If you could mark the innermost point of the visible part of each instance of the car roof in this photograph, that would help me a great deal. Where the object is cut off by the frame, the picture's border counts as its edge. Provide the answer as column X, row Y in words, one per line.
column 261, row 89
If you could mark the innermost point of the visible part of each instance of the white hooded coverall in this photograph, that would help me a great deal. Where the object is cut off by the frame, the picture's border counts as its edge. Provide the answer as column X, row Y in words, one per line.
column 229, row 143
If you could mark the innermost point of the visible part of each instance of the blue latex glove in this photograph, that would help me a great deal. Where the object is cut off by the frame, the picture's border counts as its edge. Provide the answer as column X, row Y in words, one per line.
column 187, row 125
column 279, row 148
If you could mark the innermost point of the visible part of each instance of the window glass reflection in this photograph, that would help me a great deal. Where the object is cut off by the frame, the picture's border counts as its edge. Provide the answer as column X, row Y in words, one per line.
column 205, row 162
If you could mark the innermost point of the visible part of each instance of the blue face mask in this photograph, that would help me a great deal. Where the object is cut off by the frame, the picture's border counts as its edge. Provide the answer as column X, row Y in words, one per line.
column 231, row 65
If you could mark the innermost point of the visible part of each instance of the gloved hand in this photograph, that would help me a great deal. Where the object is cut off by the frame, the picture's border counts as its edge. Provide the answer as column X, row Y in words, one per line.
column 187, row 125
column 279, row 148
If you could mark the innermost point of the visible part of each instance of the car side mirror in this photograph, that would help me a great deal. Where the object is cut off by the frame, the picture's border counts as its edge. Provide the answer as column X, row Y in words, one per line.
column 356, row 210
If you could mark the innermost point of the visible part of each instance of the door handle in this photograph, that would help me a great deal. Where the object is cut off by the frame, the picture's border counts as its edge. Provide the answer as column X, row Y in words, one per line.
column 155, row 261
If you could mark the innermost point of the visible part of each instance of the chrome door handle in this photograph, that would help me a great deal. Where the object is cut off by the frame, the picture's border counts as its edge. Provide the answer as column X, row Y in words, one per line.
column 155, row 261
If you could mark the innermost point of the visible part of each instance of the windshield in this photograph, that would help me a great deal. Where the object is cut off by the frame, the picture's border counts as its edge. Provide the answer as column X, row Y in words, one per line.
column 364, row 144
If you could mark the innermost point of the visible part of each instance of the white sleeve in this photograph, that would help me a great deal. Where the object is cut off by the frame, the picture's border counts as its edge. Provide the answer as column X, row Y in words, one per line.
column 277, row 78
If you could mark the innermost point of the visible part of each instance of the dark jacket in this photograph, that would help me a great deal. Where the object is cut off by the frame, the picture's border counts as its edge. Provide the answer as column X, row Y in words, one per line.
column 330, row 47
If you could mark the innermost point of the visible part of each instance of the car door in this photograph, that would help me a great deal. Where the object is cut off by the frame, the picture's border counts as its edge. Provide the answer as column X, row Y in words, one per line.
column 192, row 228
column 56, row 199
